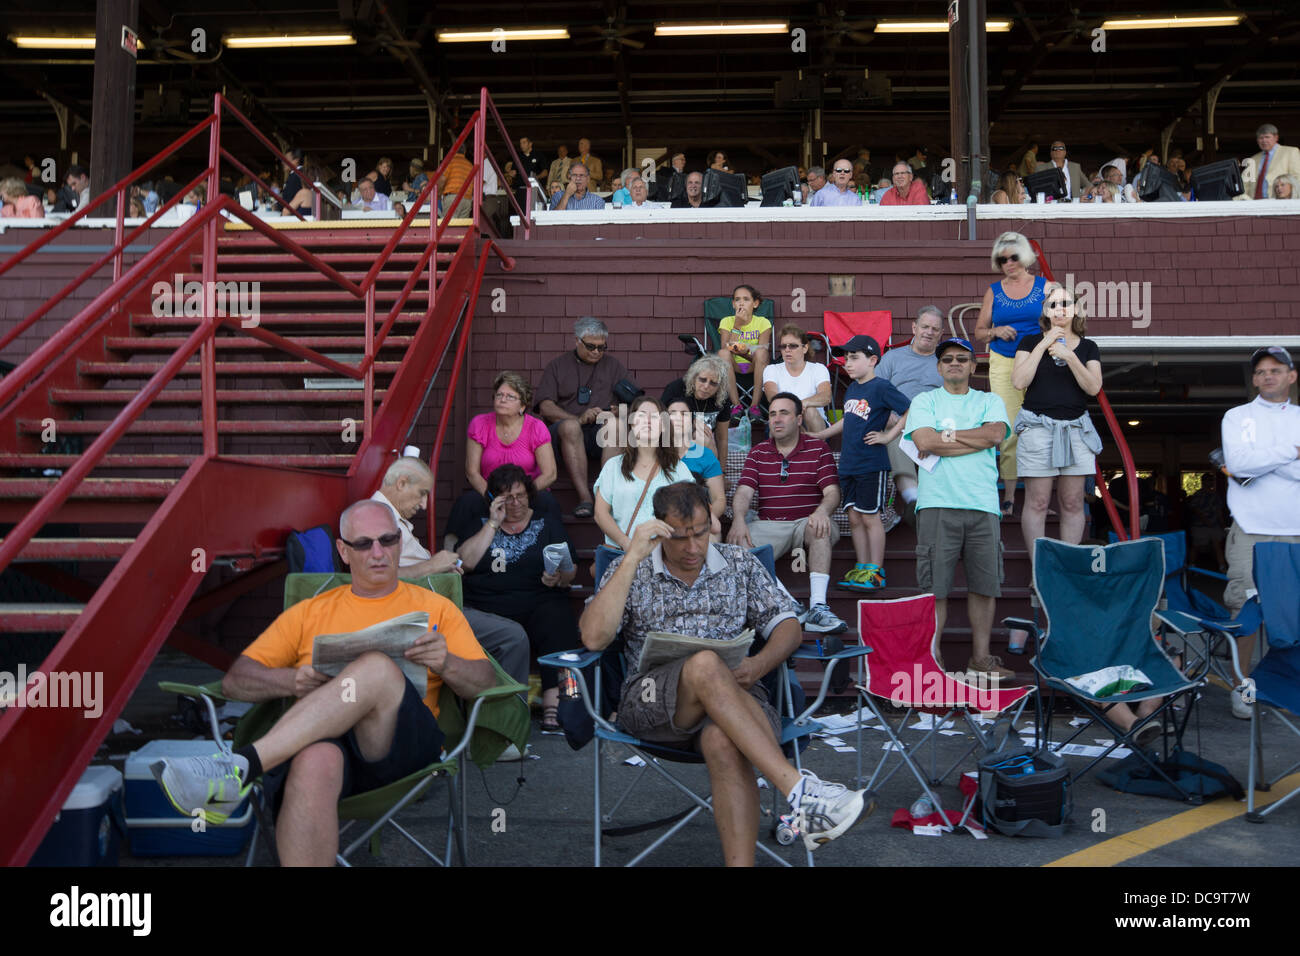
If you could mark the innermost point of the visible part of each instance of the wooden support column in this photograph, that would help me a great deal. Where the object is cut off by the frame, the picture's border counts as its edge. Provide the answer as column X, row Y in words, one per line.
column 112, row 135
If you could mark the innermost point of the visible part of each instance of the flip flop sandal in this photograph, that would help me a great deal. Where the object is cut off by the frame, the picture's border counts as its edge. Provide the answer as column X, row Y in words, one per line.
column 584, row 510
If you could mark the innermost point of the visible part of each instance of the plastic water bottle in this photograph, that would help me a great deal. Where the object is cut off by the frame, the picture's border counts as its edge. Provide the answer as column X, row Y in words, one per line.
column 952, row 200
column 922, row 807
column 1059, row 361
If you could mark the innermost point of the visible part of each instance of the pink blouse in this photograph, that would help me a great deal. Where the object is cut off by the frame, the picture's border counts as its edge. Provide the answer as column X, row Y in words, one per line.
column 522, row 451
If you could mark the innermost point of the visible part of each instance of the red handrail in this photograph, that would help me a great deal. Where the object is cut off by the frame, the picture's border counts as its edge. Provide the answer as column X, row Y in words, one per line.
column 1125, row 455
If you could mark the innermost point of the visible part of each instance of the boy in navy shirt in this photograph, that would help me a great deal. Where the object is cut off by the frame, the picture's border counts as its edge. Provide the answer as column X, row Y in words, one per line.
column 864, row 460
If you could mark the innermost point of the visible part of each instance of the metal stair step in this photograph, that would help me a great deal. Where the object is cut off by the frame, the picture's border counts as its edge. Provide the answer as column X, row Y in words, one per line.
column 168, row 343
column 271, row 320
column 177, row 427
column 278, row 396
column 173, row 461
column 190, row 369
column 38, row 618
column 124, row 489
column 74, row 549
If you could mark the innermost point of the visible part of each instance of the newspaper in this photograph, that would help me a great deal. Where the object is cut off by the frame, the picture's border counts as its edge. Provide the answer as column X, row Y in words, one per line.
column 662, row 647
column 331, row 653
column 556, row 558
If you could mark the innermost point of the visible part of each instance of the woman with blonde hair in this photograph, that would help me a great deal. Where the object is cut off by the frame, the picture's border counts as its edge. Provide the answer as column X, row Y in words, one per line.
column 704, row 389
column 1010, row 311
column 1011, row 189
column 18, row 202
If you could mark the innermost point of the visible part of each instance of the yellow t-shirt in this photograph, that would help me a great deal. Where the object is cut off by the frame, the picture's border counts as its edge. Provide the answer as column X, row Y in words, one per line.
column 749, row 335
column 288, row 641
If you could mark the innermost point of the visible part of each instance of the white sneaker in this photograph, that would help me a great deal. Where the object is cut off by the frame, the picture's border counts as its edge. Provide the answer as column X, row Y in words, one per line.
column 213, row 784
column 821, row 811
column 1240, row 709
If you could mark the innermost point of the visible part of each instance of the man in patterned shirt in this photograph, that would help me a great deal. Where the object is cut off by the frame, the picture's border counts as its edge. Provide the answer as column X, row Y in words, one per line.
column 673, row 579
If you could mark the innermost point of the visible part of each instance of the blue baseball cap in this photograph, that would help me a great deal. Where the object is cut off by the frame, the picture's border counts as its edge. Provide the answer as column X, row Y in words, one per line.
column 959, row 343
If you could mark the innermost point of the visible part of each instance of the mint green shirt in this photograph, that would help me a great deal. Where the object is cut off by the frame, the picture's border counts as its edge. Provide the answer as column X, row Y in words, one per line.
column 963, row 481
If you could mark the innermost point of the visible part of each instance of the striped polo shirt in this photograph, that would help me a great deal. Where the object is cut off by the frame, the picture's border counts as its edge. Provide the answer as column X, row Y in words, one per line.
column 812, row 468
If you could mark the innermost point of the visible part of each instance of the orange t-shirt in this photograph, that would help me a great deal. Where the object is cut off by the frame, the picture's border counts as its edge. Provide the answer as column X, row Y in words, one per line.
column 288, row 641
column 457, row 172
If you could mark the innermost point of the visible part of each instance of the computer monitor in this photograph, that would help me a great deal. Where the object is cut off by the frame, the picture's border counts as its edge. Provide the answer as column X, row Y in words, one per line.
column 779, row 185
column 1050, row 183
column 1217, row 181
column 1157, row 184
column 728, row 189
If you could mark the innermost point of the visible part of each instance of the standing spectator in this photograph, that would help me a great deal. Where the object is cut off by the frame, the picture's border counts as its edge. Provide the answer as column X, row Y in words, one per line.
column 453, row 177
column 864, row 471
column 793, row 476
column 1204, row 511
column 293, row 182
column 1011, row 310
column 626, row 481
column 907, row 190
column 595, row 168
column 1059, row 371
column 746, row 347
column 18, row 203
column 912, row 370
column 534, row 167
column 1072, row 170
column 811, row 381
column 666, row 174
column 957, row 510
column 1261, row 443
column 1028, row 161
column 557, row 177
column 839, row 191
column 575, row 388
column 1271, row 161
column 703, row 390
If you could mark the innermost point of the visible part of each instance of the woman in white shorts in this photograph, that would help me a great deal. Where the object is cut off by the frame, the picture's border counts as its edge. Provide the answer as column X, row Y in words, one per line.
column 1060, row 371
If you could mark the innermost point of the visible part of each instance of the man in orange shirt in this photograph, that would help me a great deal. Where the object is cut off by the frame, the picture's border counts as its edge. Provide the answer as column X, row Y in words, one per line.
column 349, row 734
column 457, row 172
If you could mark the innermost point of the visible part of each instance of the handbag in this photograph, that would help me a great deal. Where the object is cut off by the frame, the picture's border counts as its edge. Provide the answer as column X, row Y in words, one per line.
column 625, row 390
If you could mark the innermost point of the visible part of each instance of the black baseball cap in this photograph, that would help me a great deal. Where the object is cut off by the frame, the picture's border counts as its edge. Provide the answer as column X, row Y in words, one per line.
column 957, row 343
column 859, row 343
column 1273, row 352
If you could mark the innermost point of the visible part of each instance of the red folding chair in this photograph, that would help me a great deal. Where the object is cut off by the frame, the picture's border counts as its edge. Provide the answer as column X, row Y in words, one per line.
column 904, row 670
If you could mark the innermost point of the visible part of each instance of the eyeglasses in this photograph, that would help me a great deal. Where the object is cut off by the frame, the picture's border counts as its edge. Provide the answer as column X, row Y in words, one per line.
column 785, row 469
column 365, row 544
column 954, row 360
column 791, row 345
column 593, row 348
column 506, row 397
column 1003, row 260
column 706, row 381
column 514, row 499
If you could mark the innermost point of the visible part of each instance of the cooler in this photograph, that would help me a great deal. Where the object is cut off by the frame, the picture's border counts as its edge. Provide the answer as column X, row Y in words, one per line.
column 88, row 830
column 154, row 825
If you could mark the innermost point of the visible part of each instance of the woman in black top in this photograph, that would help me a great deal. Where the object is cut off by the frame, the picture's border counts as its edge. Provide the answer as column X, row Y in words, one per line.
column 505, row 573
column 379, row 176
column 704, row 389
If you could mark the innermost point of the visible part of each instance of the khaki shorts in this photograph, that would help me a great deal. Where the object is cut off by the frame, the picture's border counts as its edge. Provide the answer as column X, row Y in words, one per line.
column 649, row 706
column 899, row 463
column 783, row 536
column 1240, row 552
column 945, row 535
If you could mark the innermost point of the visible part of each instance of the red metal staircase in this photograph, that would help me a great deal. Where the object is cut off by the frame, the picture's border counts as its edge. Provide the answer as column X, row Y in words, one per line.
column 203, row 439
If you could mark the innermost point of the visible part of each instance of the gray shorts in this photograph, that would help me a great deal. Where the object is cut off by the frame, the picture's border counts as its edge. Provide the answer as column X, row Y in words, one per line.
column 1034, row 454
column 650, row 702
column 945, row 535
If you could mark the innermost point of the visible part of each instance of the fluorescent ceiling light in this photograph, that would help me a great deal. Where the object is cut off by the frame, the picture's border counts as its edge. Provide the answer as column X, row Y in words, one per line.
column 935, row 26
column 289, row 39
column 53, row 43
column 721, row 28
column 486, row 35
column 1165, row 23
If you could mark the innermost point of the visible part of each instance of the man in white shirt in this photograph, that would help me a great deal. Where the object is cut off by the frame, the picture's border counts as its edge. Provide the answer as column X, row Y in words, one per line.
column 405, row 490
column 1261, row 442
column 1073, row 171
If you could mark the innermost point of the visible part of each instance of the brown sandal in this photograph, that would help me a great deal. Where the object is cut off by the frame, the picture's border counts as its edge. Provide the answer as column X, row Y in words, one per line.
column 551, row 720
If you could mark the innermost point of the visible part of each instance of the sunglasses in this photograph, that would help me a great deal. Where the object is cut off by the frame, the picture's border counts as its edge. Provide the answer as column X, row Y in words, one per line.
column 1003, row 260
column 706, row 381
column 365, row 544
column 785, row 469
column 593, row 348
column 954, row 360
column 785, row 346
column 1057, row 148
column 843, row 170
column 1060, row 303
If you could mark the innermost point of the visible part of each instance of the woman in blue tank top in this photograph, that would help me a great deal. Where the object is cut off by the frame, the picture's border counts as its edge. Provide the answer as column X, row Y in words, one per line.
column 1010, row 311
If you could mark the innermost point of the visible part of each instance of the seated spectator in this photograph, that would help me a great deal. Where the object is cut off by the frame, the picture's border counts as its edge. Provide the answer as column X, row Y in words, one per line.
column 627, row 480
column 907, row 190
column 640, row 194
column 517, row 533
column 380, row 177
column 508, row 435
column 746, row 347
column 18, row 203
column 575, row 388
column 1011, row 189
column 1113, row 173
column 137, row 208
column 794, row 478
column 1286, row 186
column 839, row 191
column 702, row 390
column 816, row 182
column 373, row 201
column 796, row 374
column 575, row 195
column 197, row 196
column 78, row 180
column 294, row 193
column 694, row 196
column 416, row 178
column 718, row 161
column 335, row 742
column 623, row 187
column 702, row 463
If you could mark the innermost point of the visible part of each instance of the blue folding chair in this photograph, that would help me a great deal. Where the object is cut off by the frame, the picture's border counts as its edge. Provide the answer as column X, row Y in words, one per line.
column 1098, row 604
column 797, row 724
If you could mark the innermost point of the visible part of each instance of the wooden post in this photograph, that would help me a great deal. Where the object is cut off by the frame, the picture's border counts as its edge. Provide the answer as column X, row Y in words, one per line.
column 112, row 134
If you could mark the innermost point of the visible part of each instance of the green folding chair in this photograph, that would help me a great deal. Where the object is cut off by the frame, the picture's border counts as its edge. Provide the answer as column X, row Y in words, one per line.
column 715, row 310
column 480, row 729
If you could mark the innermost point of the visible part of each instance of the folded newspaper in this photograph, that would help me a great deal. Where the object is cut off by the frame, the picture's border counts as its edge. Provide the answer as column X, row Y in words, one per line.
column 330, row 653
column 663, row 647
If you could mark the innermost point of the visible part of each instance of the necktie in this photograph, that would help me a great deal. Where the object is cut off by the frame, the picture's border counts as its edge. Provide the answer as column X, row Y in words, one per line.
column 1259, row 183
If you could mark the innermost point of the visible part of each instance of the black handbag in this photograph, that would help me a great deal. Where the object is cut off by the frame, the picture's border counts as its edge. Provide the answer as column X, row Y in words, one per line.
column 625, row 390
